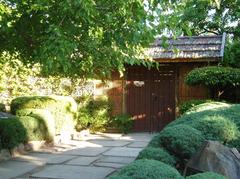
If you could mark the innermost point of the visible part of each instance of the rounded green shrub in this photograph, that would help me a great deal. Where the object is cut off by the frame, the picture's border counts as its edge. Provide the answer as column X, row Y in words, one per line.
column 187, row 105
column 155, row 141
column 206, row 175
column 157, row 154
column 2, row 107
column 43, row 116
column 181, row 140
column 146, row 169
column 36, row 128
column 12, row 133
column 63, row 109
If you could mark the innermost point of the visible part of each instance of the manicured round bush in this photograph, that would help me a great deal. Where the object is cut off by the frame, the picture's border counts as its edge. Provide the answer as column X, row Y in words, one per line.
column 155, row 141
column 181, row 140
column 216, row 121
column 157, row 154
column 63, row 109
column 12, row 133
column 2, row 107
column 206, row 175
column 187, row 105
column 44, row 117
column 36, row 128
column 146, row 169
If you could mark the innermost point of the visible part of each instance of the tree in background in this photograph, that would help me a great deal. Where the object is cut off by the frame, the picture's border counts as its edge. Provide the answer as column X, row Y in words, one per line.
column 87, row 38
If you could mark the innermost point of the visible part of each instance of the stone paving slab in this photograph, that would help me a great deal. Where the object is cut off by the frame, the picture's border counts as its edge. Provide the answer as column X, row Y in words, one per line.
column 110, row 165
column 47, row 158
column 110, row 143
column 88, row 151
column 11, row 169
column 121, row 160
column 82, row 161
column 123, row 152
column 138, row 144
column 144, row 137
column 73, row 172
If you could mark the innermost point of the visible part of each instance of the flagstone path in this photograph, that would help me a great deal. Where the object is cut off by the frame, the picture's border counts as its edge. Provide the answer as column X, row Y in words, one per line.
column 95, row 157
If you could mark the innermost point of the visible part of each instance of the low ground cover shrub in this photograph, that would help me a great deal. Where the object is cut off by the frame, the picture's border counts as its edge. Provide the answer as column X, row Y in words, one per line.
column 206, row 175
column 63, row 109
column 123, row 122
column 12, row 133
column 157, row 154
column 155, row 141
column 94, row 115
column 181, row 140
column 146, row 169
column 187, row 105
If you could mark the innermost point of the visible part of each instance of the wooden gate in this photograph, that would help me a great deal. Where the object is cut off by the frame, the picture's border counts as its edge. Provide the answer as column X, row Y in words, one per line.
column 150, row 97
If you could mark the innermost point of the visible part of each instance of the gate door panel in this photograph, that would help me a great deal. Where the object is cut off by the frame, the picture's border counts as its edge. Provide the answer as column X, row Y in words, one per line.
column 150, row 97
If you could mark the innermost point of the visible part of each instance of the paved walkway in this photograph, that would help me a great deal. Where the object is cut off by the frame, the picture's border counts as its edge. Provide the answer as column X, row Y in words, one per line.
column 95, row 157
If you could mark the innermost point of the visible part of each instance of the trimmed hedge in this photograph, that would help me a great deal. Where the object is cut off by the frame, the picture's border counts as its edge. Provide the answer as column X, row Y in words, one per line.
column 206, row 175
column 187, row 105
column 12, row 133
column 63, row 109
column 42, row 116
column 146, row 169
column 157, row 154
column 216, row 121
column 155, row 142
column 36, row 128
column 181, row 140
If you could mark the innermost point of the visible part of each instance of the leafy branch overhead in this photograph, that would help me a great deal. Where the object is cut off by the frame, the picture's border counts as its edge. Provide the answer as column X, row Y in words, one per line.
column 77, row 37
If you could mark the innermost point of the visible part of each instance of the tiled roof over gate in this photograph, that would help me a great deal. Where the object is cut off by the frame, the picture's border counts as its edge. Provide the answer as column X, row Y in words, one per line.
column 188, row 48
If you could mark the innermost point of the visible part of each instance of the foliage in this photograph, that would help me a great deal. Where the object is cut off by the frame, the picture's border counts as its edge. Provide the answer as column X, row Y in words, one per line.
column 216, row 78
column 186, row 105
column 157, row 154
column 123, row 122
column 40, row 125
column 232, row 54
column 94, row 114
column 16, row 80
column 216, row 121
column 12, row 133
column 206, row 175
column 181, row 140
column 155, row 141
column 63, row 109
column 83, row 38
column 2, row 107
column 146, row 169
column 36, row 128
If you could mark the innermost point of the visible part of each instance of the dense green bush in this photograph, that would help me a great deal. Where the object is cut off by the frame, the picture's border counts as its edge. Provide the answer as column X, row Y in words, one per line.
column 2, row 107
column 43, row 116
column 12, row 133
column 157, row 154
column 206, row 175
column 123, row 122
column 185, row 106
column 155, row 141
column 181, row 140
column 63, row 109
column 94, row 115
column 36, row 127
column 216, row 121
column 146, row 169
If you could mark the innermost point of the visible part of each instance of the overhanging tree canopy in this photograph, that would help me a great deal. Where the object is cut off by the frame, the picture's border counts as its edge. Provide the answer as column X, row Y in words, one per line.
column 77, row 37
